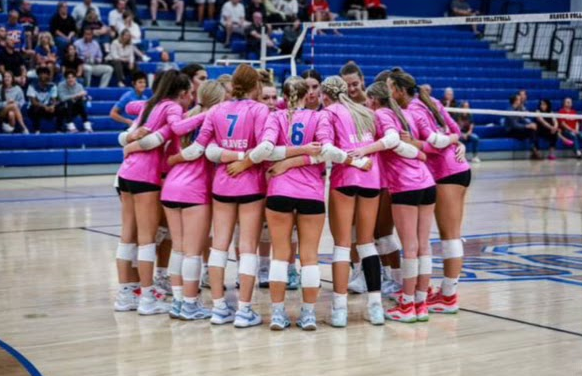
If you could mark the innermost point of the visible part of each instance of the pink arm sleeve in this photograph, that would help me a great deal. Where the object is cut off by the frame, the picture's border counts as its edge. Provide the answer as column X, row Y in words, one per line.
column 271, row 130
column 135, row 107
column 188, row 125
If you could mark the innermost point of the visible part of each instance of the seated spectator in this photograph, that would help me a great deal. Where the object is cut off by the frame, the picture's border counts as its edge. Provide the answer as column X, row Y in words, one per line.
column 15, row 31
column 253, row 7
column 356, row 10
column 571, row 128
column 376, row 10
column 426, row 88
column 100, row 30
column 289, row 39
column 460, row 8
column 165, row 63
column 549, row 129
column 449, row 98
column 3, row 37
column 80, row 12
column 288, row 8
column 72, row 62
column 132, row 7
column 254, row 35
column 122, row 57
column 63, row 27
column 72, row 102
column 43, row 100
column 115, row 17
column 29, row 23
column 522, row 93
column 11, row 101
column 90, row 52
column 12, row 61
column 467, row 127
column 522, row 128
column 128, row 23
column 320, row 8
column 177, row 5
column 226, row 81
column 46, row 53
column 232, row 17
column 139, row 83
column 273, row 15
column 211, row 10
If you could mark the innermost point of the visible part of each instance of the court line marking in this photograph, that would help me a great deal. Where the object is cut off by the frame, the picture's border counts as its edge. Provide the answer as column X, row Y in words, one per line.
column 32, row 370
column 540, row 207
column 98, row 232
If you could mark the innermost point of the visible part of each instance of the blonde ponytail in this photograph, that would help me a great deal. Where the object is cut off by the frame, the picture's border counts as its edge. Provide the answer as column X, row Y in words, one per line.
column 295, row 89
column 381, row 92
column 209, row 94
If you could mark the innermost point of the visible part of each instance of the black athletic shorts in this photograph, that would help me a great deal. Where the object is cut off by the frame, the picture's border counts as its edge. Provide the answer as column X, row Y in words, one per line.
column 419, row 197
column 462, row 178
column 136, row 187
column 284, row 204
column 359, row 191
column 177, row 205
column 238, row 199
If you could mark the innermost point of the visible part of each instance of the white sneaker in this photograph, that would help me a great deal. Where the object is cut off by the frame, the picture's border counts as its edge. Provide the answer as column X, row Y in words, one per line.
column 25, row 131
column 88, row 127
column 7, row 128
column 222, row 315
column 71, row 128
column 245, row 318
column 151, row 304
column 376, row 314
column 126, row 300
column 339, row 317
column 357, row 284
column 476, row 160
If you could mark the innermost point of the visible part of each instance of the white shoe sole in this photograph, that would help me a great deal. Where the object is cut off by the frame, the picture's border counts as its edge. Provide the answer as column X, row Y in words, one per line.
column 277, row 327
column 124, row 308
column 221, row 321
column 246, row 324
column 308, row 328
column 155, row 311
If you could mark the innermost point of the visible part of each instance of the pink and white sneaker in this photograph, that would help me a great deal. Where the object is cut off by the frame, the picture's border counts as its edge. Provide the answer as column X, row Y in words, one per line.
column 402, row 312
column 439, row 303
column 421, row 311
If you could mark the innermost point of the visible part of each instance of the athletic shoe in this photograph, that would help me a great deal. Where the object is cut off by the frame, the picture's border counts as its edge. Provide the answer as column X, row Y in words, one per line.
column 25, row 131
column 357, row 283
column 402, row 312
column 376, row 314
column 279, row 320
column 205, row 280
column 293, row 280
column 194, row 311
column 88, row 127
column 222, row 315
column 421, row 311
column 307, row 320
column 339, row 317
column 152, row 304
column 7, row 128
column 264, row 277
column 578, row 154
column 476, row 160
column 162, row 284
column 390, row 287
column 245, row 318
column 551, row 157
column 71, row 128
column 395, row 296
column 125, row 301
column 438, row 303
column 176, row 308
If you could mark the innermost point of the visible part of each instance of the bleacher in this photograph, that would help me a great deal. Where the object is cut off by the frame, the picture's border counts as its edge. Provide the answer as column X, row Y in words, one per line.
column 441, row 57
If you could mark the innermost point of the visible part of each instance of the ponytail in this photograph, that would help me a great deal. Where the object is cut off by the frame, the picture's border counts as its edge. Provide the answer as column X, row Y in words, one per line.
column 381, row 92
column 295, row 88
column 426, row 99
column 209, row 94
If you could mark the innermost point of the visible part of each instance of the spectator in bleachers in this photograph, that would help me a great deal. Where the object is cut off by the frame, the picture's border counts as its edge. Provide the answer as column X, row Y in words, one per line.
column 137, row 93
column 80, row 12
column 72, row 62
column 548, row 128
column 522, row 93
column 132, row 7
column 356, row 10
column 3, row 37
column 226, row 81
column 72, row 102
column 354, row 77
column 253, row 7
column 165, row 63
column 15, row 31
column 460, row 8
column 313, row 98
column 571, row 128
column 28, row 21
column 254, row 35
column 11, row 101
column 376, row 9
column 63, row 27
column 115, row 16
column 12, row 61
column 448, row 99
column 273, row 15
column 232, row 17
column 122, row 57
column 128, row 23
column 321, row 10
column 99, row 29
column 43, row 100
column 211, row 9
column 198, row 75
column 46, row 53
column 288, row 8
column 177, row 5
column 467, row 126
column 426, row 88
column 90, row 52
column 289, row 39
column 522, row 128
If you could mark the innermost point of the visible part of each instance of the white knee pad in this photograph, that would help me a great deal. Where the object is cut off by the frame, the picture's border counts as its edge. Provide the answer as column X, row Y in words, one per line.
column 236, row 236
column 161, row 234
column 388, row 245
column 175, row 264
column 278, row 271
column 217, row 258
column 294, row 236
column 341, row 254
column 452, row 249
column 147, row 252
column 248, row 264
column 425, row 265
column 191, row 268
column 409, row 268
column 310, row 276
column 134, row 261
column 354, row 234
column 125, row 251
column 265, row 234
column 366, row 250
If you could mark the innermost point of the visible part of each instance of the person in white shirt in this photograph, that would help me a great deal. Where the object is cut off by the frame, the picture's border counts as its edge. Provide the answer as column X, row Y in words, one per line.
column 122, row 57
column 232, row 18
column 116, row 16
column 128, row 23
column 288, row 7
column 80, row 11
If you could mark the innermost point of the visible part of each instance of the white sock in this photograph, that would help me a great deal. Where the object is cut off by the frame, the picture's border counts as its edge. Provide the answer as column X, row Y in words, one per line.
column 278, row 305
column 177, row 292
column 340, row 300
column 449, row 286
column 160, row 272
column 190, row 300
column 264, row 262
column 420, row 296
column 396, row 275
column 407, row 298
column 134, row 285
column 308, row 306
column 125, row 286
column 387, row 271
column 243, row 305
column 219, row 303
column 374, row 297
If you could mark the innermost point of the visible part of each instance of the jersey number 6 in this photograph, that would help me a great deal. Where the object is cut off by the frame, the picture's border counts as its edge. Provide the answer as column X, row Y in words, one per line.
column 297, row 134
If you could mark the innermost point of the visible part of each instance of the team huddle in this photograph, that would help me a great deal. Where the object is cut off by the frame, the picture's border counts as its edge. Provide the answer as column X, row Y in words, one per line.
column 228, row 161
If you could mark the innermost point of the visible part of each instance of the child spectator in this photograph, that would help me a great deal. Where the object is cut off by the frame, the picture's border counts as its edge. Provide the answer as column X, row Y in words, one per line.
column 12, row 61
column 43, row 100
column 11, row 101
column 90, row 52
column 63, row 27
column 80, row 12
column 139, row 83
column 72, row 102
column 571, row 128
column 468, row 137
column 122, row 57
column 46, row 53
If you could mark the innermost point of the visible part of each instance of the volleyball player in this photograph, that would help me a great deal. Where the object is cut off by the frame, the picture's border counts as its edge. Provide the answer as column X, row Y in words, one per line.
column 313, row 98
column 354, row 77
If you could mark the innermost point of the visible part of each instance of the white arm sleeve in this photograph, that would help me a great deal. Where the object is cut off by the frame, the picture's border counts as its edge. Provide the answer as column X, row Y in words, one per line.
column 122, row 138
column 261, row 152
column 390, row 140
column 151, row 141
column 193, row 152
column 213, row 153
column 406, row 150
column 439, row 141
column 333, row 154
column 359, row 162
column 279, row 153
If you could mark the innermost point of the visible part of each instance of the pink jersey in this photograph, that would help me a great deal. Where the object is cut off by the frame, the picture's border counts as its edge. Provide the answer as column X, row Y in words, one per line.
column 188, row 182
column 344, row 134
column 236, row 125
column 441, row 162
column 146, row 166
column 402, row 174
column 307, row 126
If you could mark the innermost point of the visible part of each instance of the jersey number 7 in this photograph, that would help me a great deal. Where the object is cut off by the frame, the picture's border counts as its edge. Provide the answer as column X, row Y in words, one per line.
column 233, row 120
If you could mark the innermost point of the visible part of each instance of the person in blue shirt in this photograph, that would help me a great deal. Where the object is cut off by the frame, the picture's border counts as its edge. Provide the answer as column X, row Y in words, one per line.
column 15, row 31
column 139, row 82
